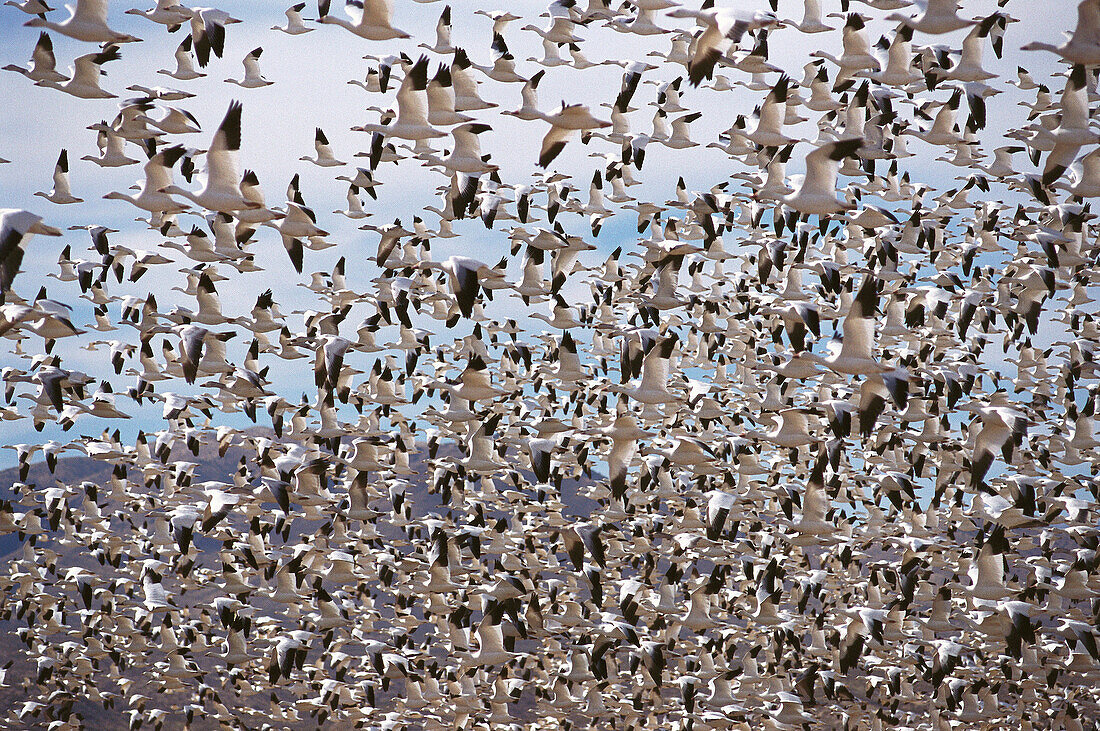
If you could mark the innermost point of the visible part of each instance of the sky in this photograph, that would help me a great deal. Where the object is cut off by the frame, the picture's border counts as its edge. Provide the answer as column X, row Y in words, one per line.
column 310, row 90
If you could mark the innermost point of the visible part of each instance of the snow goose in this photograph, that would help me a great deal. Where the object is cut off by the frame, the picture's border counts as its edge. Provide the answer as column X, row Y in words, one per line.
column 441, row 100
column 466, row 156
column 969, row 66
column 355, row 205
column 166, row 12
column 816, row 192
column 61, row 193
column 324, row 157
column 723, row 28
column 561, row 26
column 1074, row 127
column 295, row 26
column 86, row 72
column 112, row 149
column 1086, row 170
column 642, row 23
column 467, row 97
column 208, row 31
column 943, row 131
column 821, row 98
column 465, row 277
column 43, row 64
column 811, row 19
column 299, row 222
column 370, row 19
column 1083, row 44
column 551, row 56
column 253, row 79
column 1003, row 429
column 770, row 116
column 87, row 22
column 177, row 122
column 856, row 341
column 500, row 18
column 856, row 55
column 503, row 69
column 16, row 228
column 937, row 17
column 653, row 369
column 185, row 66
column 30, row 7
column 412, row 108
column 680, row 136
column 571, row 118
column 442, row 34
column 222, row 192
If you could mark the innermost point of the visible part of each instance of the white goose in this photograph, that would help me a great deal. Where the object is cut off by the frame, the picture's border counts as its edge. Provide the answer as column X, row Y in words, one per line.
column 570, row 119
column 16, row 228
column 222, row 192
column 816, row 191
column 466, row 156
column 166, row 12
column 811, row 18
column 253, row 79
column 412, row 108
column 208, row 31
column 295, row 25
column 1083, row 45
column 112, row 149
column 937, row 17
column 441, row 100
column 88, row 22
column 465, row 275
column 443, row 43
column 854, row 355
column 856, row 55
column 370, row 19
column 652, row 388
column 158, row 176
column 43, row 64
column 185, row 65
column 324, row 157
column 61, row 193
column 86, row 72
column 723, row 28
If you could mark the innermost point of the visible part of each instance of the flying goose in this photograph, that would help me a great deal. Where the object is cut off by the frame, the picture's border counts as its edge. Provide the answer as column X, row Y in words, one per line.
column 324, row 156
column 166, row 12
column 816, row 191
column 465, row 276
column 208, row 32
column 412, row 108
column 16, row 228
column 87, row 22
column 61, row 194
column 185, row 66
column 722, row 29
column 442, row 34
column 222, row 191
column 158, row 176
column 441, row 100
column 85, row 75
column 1083, row 44
column 562, row 125
column 937, row 17
column 295, row 25
column 253, row 79
column 43, row 64
column 370, row 19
